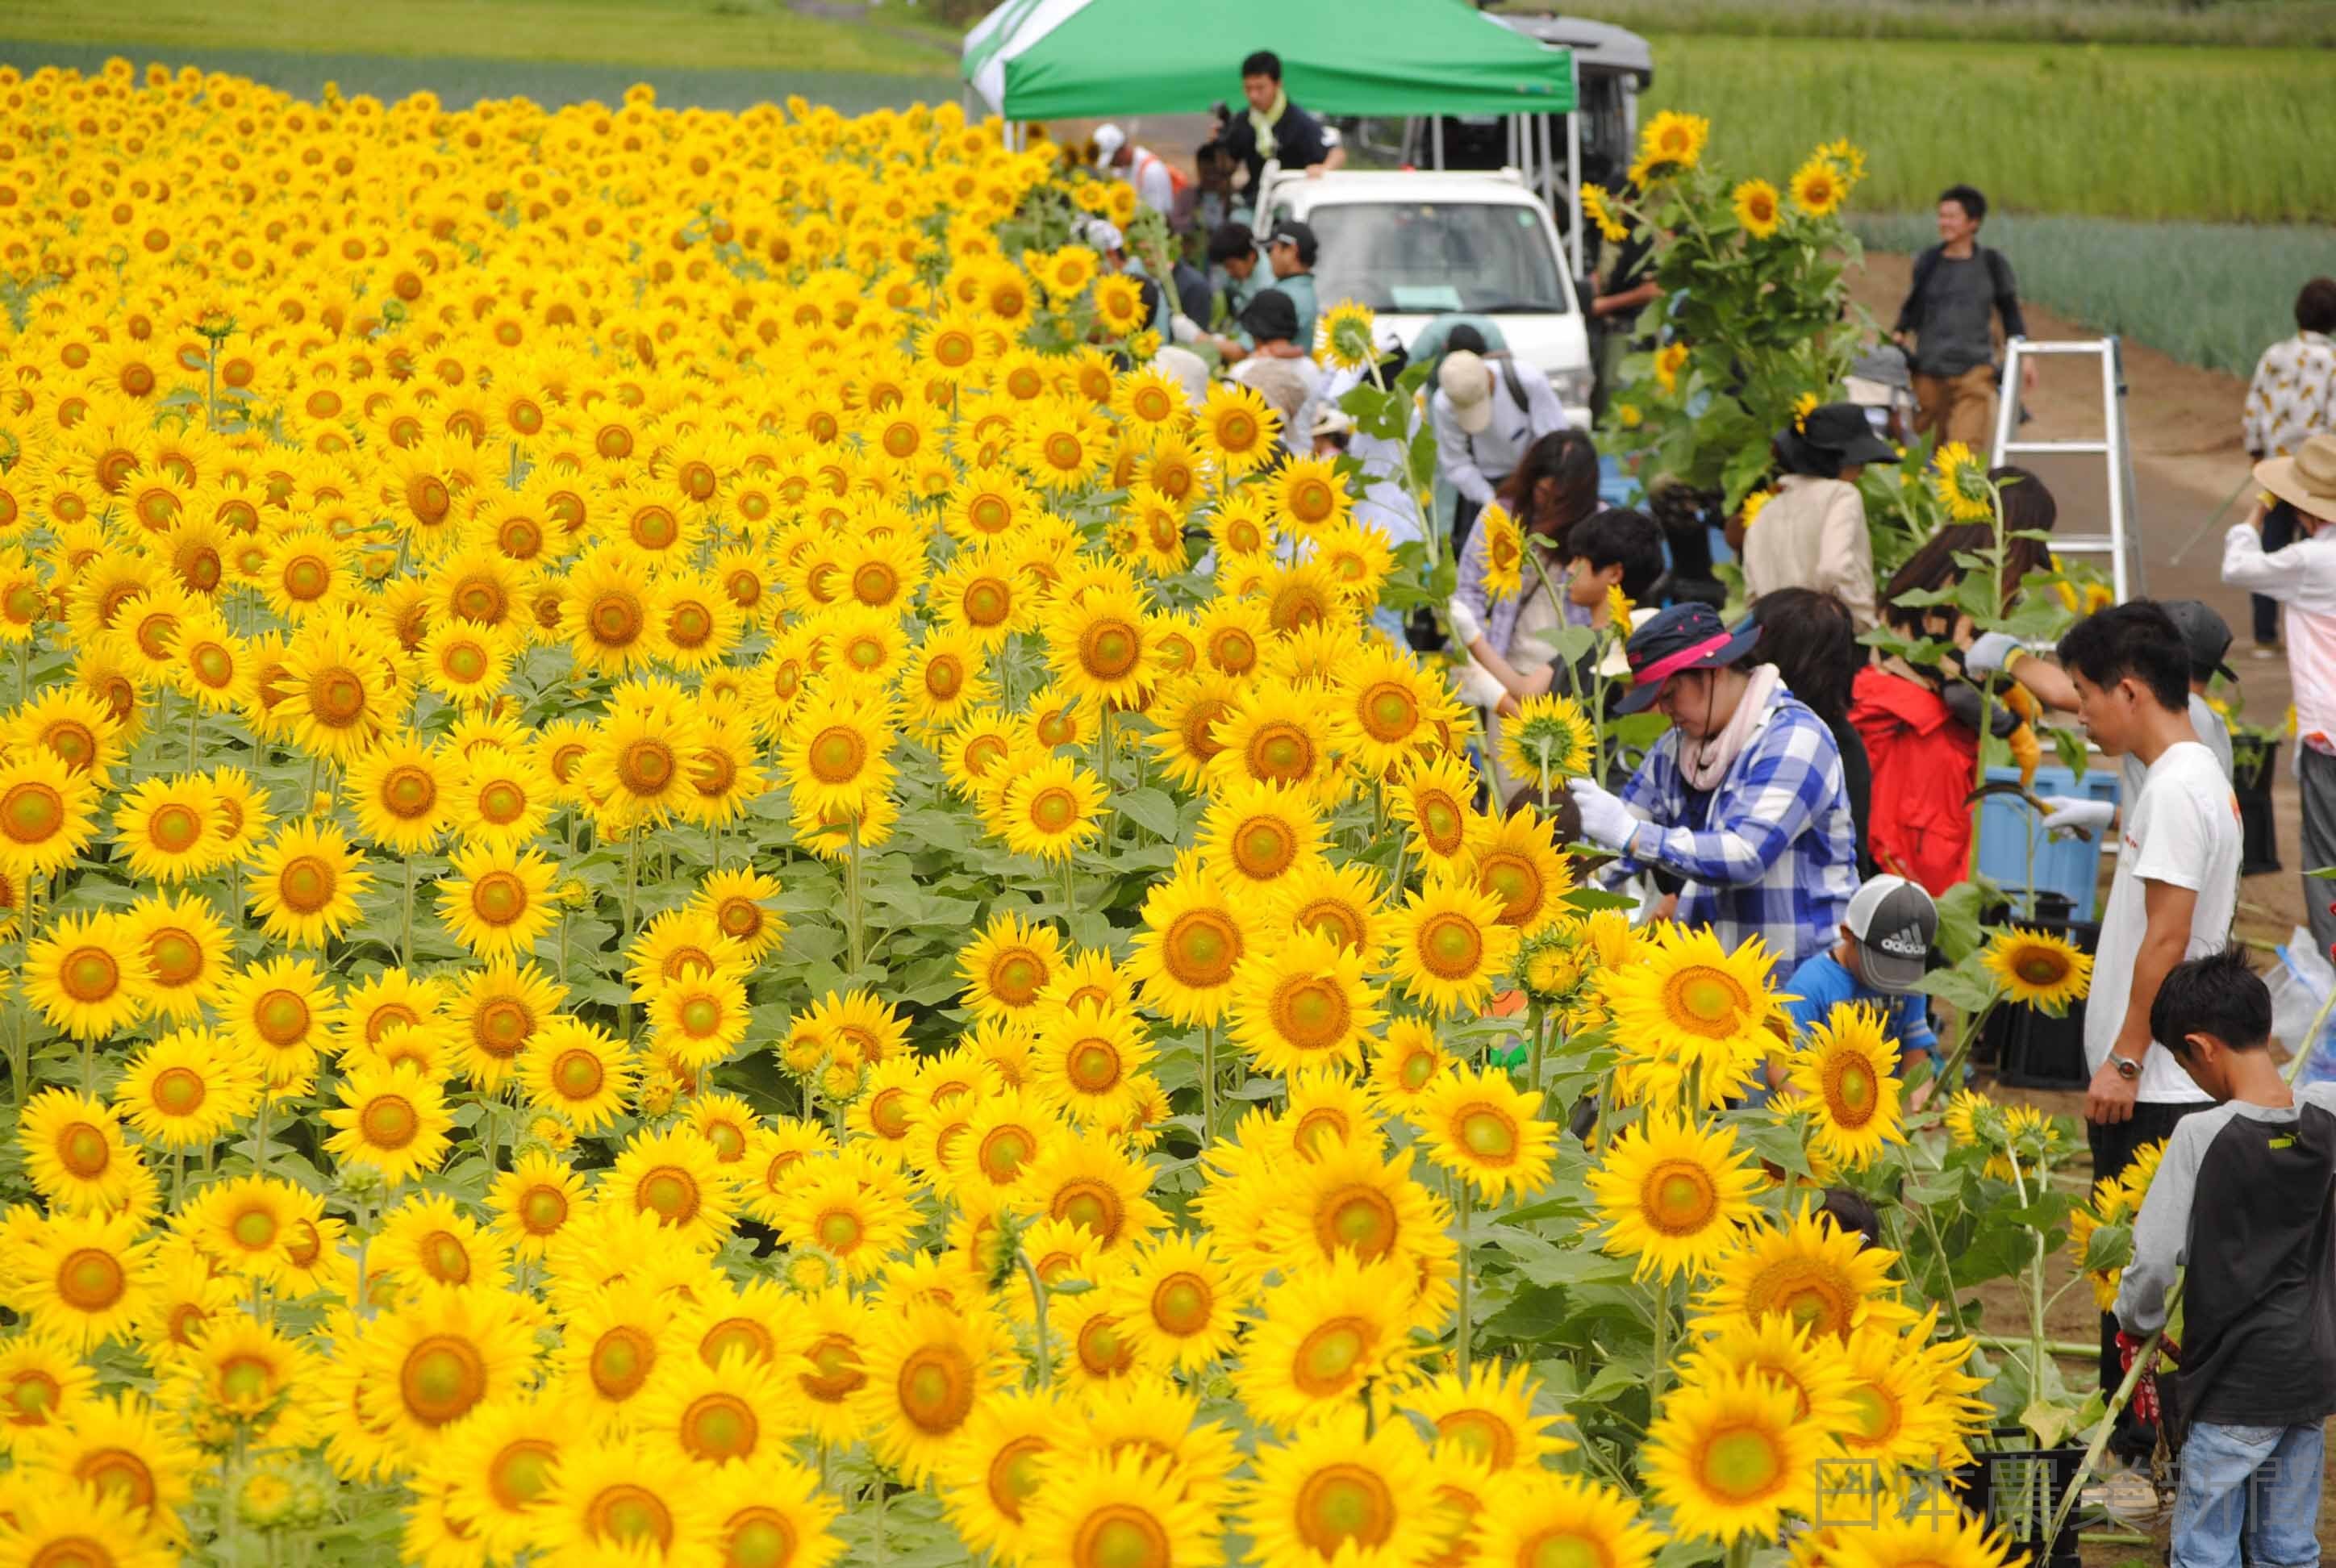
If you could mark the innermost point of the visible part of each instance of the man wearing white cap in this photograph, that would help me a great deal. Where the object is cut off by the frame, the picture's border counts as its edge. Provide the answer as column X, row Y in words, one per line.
column 1487, row 413
column 1141, row 167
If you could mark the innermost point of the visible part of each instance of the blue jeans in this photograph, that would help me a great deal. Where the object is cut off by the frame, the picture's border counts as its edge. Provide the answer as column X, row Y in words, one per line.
column 2259, row 1483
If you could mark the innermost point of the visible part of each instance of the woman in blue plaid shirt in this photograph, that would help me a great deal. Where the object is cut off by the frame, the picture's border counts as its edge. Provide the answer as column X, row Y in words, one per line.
column 1743, row 798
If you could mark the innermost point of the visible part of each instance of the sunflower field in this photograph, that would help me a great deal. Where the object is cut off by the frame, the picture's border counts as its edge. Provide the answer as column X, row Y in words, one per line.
column 653, row 915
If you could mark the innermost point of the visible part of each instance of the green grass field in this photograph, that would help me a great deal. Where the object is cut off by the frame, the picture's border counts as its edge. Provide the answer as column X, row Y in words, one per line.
column 2257, row 23
column 732, row 34
column 2209, row 294
column 2219, row 134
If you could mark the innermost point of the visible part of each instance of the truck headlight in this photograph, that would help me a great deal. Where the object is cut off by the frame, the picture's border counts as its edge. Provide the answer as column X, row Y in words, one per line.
column 1573, row 387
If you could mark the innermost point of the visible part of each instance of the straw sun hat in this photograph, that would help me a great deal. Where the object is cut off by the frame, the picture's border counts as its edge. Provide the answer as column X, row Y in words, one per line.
column 2305, row 480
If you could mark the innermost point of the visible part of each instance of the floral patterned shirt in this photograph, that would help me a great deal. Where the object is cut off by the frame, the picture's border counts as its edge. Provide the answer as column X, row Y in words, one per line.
column 2293, row 395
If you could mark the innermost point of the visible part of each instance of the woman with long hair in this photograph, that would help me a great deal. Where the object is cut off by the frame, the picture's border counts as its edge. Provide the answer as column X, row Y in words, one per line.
column 1554, row 488
column 1812, row 639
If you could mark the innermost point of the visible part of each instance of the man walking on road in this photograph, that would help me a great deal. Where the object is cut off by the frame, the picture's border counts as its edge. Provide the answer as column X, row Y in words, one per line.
column 1946, row 325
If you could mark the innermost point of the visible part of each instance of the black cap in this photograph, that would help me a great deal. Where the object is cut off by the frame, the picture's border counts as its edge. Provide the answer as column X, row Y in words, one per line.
column 1683, row 636
column 1271, row 316
column 1295, row 233
column 1464, row 337
column 2205, row 634
column 1839, row 429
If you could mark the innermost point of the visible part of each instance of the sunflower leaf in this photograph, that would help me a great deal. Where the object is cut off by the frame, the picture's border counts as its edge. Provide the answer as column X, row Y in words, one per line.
column 1152, row 810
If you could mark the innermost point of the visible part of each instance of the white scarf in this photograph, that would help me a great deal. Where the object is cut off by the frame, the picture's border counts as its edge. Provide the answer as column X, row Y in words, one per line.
column 1704, row 763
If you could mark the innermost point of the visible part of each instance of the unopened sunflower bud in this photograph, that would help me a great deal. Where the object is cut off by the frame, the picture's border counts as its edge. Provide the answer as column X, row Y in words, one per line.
column 264, row 1500
column 360, row 1180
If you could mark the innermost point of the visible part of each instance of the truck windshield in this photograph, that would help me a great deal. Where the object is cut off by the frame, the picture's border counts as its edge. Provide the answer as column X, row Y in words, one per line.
column 1490, row 258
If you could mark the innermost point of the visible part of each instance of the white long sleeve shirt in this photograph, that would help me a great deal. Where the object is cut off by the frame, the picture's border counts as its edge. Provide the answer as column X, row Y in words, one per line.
column 2302, row 577
column 1473, row 462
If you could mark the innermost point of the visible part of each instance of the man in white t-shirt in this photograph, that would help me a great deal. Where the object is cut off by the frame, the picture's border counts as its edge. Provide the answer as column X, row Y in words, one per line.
column 2175, row 890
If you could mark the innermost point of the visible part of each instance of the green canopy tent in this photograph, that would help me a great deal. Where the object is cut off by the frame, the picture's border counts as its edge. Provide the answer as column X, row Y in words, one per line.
column 1066, row 59
column 1056, row 59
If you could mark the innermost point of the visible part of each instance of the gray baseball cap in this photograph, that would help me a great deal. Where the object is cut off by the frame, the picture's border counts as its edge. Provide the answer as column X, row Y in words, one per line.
column 1895, row 923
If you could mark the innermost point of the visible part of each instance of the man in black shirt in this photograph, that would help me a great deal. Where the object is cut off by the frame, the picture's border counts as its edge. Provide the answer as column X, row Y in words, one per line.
column 2245, row 1196
column 1947, row 325
column 1276, row 127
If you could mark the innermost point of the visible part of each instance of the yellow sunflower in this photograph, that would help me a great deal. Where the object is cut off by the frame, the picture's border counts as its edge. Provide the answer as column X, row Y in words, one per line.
column 1484, row 1130
column 1846, row 1074
column 2038, row 969
column 1758, row 211
column 1730, row 1457
column 1674, row 1196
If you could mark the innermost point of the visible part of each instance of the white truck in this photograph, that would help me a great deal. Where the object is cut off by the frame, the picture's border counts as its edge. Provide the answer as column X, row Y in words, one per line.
column 1416, row 244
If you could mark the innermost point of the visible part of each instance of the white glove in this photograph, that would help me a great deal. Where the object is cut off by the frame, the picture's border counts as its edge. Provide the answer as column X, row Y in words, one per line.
column 1184, row 328
column 1477, row 685
column 2077, row 812
column 1990, row 652
column 1465, row 627
column 1606, row 822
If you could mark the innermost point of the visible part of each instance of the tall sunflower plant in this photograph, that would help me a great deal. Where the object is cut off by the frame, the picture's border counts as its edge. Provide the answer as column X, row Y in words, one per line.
column 1754, row 312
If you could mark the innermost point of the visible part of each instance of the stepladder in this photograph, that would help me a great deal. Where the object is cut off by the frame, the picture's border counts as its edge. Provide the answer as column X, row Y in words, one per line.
column 2117, row 543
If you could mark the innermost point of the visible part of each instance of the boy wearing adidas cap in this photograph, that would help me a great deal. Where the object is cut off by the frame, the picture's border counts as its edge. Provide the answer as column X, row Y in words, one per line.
column 1884, row 946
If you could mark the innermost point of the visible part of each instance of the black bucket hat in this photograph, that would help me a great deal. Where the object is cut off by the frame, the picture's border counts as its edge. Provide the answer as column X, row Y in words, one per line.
column 1839, row 430
column 1683, row 636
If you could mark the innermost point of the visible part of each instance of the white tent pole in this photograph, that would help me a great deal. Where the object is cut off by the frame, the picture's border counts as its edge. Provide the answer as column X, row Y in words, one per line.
column 1545, row 159
column 1574, row 161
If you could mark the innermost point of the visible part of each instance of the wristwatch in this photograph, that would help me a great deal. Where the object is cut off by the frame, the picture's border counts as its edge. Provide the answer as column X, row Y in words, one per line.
column 2128, row 1068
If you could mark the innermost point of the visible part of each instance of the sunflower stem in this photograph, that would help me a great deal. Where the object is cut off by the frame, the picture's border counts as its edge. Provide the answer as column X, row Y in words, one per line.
column 405, row 921
column 363, row 1227
column 1208, row 1085
column 1660, row 1379
column 1461, row 1198
column 1038, row 1295
column 878, row 1532
column 852, row 910
column 2036, row 1343
column 1740, row 1551
column 194, row 725
column 1535, row 1024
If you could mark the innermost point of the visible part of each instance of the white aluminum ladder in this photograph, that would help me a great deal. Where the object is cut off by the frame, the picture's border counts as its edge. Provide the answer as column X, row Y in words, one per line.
column 2115, row 452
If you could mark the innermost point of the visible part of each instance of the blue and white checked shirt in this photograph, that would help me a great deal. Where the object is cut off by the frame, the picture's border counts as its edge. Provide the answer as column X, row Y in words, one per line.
column 1771, row 852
